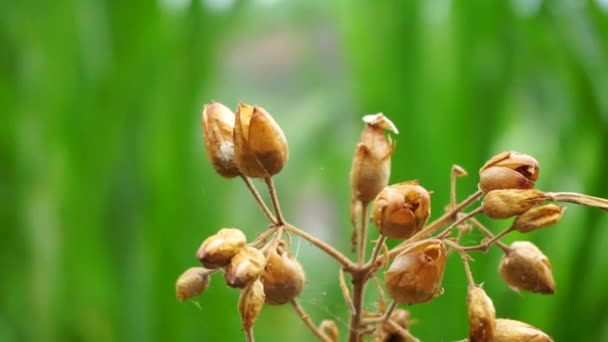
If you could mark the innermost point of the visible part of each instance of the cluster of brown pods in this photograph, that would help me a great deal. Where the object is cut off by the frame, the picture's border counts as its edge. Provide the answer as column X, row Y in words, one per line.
column 250, row 144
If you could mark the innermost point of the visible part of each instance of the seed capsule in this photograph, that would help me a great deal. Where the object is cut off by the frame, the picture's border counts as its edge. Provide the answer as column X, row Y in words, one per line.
column 501, row 204
column 260, row 145
column 250, row 303
column 525, row 267
column 283, row 277
column 416, row 273
column 371, row 165
column 539, row 217
column 508, row 170
column 218, row 126
column 482, row 316
column 246, row 266
column 192, row 282
column 401, row 210
column 217, row 250
column 508, row 330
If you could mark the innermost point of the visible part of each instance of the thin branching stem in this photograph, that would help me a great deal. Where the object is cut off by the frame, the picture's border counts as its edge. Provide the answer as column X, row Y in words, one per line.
column 275, row 200
column 348, row 265
column 362, row 234
column 582, row 199
column 259, row 199
column 345, row 291
column 490, row 235
column 308, row 321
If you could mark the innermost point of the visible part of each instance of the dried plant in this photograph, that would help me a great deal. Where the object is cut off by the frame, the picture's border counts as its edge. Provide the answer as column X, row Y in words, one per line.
column 250, row 144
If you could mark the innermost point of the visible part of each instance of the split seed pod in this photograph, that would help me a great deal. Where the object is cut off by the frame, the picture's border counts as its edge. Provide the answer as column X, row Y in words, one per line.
column 371, row 165
column 260, row 144
column 525, row 267
column 508, row 170
column 482, row 316
column 501, row 204
column 388, row 333
column 416, row 273
column 218, row 125
column 508, row 330
column 539, row 217
column 283, row 277
column 250, row 303
column 217, row 250
column 246, row 266
column 401, row 210
column 192, row 282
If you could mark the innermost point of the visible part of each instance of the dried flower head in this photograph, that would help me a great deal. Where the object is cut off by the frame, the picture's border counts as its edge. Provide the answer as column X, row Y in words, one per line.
column 525, row 267
column 283, row 277
column 371, row 165
column 500, row 204
column 401, row 210
column 246, row 266
column 260, row 144
column 508, row 330
column 217, row 122
column 482, row 316
column 217, row 250
column 508, row 170
column 250, row 303
column 192, row 282
column 416, row 273
column 388, row 333
column 539, row 217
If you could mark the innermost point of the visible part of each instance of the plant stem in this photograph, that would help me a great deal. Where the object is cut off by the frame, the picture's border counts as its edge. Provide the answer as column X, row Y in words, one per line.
column 403, row 332
column 489, row 234
column 275, row 200
column 304, row 316
column 376, row 252
column 363, row 234
column 259, row 199
column 460, row 220
column 582, row 199
column 345, row 291
column 249, row 334
column 348, row 265
column 355, row 319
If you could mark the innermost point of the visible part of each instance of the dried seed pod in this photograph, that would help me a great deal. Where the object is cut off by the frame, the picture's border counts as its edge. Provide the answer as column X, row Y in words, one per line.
column 539, row 217
column 500, row 204
column 330, row 329
column 508, row 330
column 283, row 277
column 192, row 282
column 525, row 267
column 416, row 273
column 260, row 144
column 217, row 122
column 217, row 250
column 388, row 333
column 250, row 303
column 371, row 165
column 401, row 210
column 246, row 266
column 482, row 316
column 508, row 170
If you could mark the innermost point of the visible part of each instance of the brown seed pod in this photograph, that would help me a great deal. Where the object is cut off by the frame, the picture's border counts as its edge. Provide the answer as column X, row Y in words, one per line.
column 246, row 266
column 525, row 267
column 388, row 333
column 482, row 316
column 401, row 210
column 250, row 303
column 501, row 204
column 260, row 145
column 539, row 217
column 217, row 250
column 283, row 277
column 192, row 282
column 508, row 170
column 416, row 273
column 371, row 166
column 508, row 330
column 217, row 122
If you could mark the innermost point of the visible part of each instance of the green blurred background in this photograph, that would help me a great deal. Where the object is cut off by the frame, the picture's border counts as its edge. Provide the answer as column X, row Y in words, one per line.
column 106, row 192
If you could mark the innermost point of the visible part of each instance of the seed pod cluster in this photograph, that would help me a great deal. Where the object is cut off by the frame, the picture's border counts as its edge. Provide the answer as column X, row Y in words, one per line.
column 416, row 273
column 508, row 170
column 525, row 267
column 401, row 210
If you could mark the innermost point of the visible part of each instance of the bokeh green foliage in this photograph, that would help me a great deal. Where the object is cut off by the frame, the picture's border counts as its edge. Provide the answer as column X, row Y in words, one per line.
column 105, row 192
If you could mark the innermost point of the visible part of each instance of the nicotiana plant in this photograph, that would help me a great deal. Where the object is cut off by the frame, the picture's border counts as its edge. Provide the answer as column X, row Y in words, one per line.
column 250, row 144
